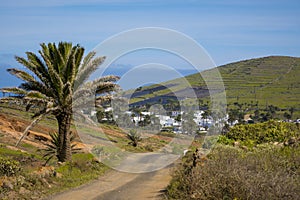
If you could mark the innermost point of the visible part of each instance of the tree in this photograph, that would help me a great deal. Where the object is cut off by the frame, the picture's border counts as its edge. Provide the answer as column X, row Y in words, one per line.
column 272, row 110
column 178, row 118
column 57, row 78
column 137, row 111
column 146, row 121
column 100, row 114
column 233, row 115
column 256, row 115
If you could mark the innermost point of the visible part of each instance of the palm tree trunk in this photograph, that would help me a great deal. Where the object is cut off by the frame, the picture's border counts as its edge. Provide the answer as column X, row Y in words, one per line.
column 64, row 148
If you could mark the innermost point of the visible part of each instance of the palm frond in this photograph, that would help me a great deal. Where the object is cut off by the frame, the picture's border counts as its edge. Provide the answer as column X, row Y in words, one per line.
column 82, row 92
column 100, row 100
column 85, row 71
column 39, row 87
column 38, row 99
column 14, row 90
column 36, row 95
column 87, row 59
column 55, row 81
column 21, row 74
column 85, row 94
column 84, row 102
column 35, row 121
column 37, row 117
column 106, row 87
column 108, row 78
column 35, row 65
column 11, row 100
column 72, row 65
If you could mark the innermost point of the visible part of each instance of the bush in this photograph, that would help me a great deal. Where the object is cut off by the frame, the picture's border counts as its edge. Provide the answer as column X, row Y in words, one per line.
column 9, row 167
column 230, row 173
column 253, row 134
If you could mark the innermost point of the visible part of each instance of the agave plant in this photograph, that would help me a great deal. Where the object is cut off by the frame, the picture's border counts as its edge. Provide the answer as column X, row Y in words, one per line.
column 56, row 83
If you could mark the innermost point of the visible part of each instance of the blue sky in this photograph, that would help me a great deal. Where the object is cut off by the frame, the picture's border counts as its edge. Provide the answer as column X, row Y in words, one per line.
column 229, row 30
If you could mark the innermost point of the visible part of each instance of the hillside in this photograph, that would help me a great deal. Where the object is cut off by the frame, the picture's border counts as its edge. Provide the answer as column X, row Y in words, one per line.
column 268, row 81
column 24, row 174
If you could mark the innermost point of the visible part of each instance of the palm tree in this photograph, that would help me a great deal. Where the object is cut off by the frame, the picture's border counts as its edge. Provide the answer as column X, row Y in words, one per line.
column 55, row 81
column 134, row 137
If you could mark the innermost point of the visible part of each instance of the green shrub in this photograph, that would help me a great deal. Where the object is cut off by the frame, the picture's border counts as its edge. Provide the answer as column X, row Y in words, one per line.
column 225, row 140
column 9, row 167
column 253, row 134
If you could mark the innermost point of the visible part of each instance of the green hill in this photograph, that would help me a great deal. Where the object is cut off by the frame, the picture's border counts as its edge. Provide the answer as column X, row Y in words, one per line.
column 272, row 80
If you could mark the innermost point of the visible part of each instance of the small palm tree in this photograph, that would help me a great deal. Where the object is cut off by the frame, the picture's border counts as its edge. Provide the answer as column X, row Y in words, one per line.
column 134, row 137
column 57, row 82
column 52, row 149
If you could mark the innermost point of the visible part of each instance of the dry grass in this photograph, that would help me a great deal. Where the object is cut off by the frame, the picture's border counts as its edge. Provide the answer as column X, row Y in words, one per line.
column 231, row 173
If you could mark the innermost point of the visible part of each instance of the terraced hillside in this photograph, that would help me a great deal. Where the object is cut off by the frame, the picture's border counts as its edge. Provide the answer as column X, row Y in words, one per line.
column 270, row 80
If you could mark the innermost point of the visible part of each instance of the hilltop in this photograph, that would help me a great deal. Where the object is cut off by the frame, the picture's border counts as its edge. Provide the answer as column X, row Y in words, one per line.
column 269, row 80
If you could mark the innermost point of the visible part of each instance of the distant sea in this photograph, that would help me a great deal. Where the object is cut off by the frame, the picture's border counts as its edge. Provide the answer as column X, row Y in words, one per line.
column 7, row 80
column 8, row 61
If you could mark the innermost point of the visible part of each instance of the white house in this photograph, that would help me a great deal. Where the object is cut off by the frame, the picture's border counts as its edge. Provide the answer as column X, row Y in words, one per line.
column 145, row 113
column 108, row 109
column 176, row 113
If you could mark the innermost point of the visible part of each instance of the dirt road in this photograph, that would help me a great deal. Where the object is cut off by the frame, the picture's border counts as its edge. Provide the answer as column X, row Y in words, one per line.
column 121, row 186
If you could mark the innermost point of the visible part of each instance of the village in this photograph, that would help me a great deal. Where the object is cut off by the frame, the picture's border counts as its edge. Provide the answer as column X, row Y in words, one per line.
column 179, row 121
column 171, row 121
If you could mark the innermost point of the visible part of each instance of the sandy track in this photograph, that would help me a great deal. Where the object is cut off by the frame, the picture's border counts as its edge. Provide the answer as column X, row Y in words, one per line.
column 121, row 186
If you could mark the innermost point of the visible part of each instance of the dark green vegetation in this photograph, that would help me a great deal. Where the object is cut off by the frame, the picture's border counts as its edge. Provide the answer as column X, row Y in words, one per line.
column 257, row 82
column 260, row 161
column 56, row 84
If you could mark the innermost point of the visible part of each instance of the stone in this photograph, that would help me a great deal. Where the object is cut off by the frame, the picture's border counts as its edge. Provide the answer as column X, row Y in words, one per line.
column 8, row 184
column 236, row 144
column 292, row 141
column 58, row 175
column 23, row 191
column 45, row 172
